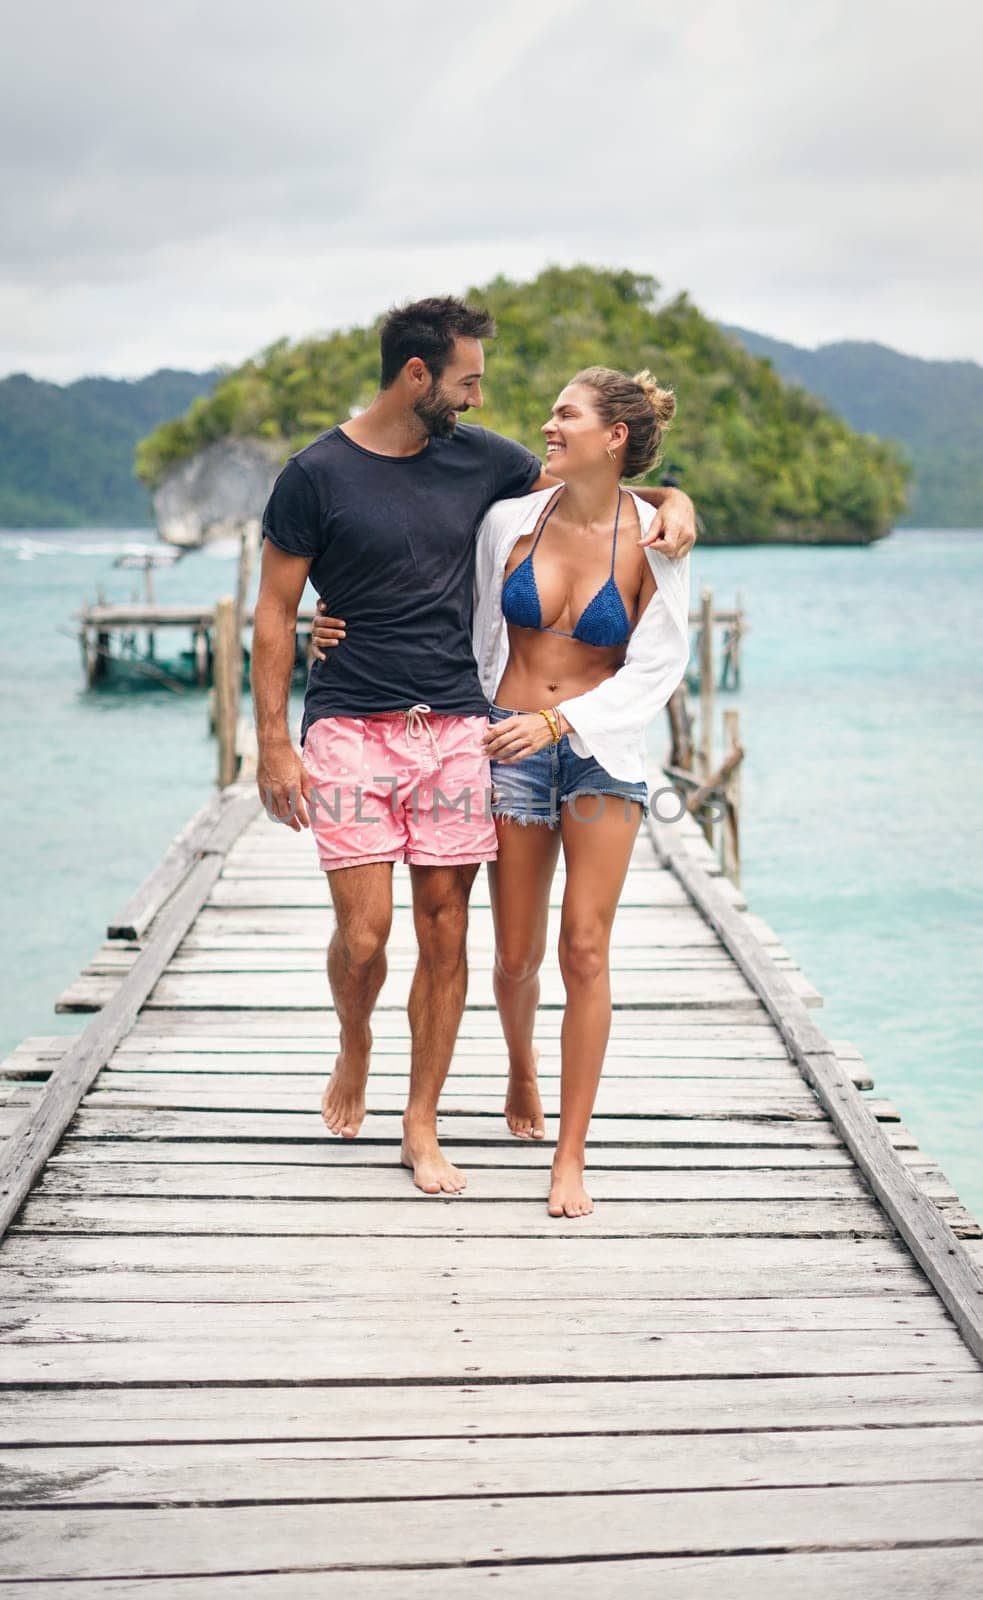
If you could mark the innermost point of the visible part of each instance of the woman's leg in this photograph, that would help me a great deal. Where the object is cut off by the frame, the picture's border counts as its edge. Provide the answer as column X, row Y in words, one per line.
column 520, row 889
column 597, row 854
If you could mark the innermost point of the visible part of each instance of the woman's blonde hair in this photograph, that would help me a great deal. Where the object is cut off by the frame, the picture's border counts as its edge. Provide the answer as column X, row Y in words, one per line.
column 638, row 402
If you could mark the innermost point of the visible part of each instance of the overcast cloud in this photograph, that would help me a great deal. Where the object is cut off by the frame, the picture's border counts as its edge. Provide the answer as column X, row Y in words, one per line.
column 182, row 184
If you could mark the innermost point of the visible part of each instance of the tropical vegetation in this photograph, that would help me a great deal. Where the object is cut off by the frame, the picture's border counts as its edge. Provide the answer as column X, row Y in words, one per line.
column 763, row 460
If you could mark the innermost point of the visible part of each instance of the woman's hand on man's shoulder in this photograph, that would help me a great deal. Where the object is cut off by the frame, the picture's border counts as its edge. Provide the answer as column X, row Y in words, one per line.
column 672, row 531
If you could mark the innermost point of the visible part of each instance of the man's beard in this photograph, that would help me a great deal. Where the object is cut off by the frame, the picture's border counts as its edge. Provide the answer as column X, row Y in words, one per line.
column 435, row 412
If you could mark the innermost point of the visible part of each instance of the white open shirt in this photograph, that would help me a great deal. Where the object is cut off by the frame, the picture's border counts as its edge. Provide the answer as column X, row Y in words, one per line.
column 608, row 722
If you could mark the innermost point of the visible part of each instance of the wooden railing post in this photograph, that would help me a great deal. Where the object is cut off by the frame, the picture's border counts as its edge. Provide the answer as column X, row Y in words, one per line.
column 228, row 685
column 680, row 729
column 706, row 700
column 730, row 853
column 200, row 645
column 738, row 636
column 248, row 547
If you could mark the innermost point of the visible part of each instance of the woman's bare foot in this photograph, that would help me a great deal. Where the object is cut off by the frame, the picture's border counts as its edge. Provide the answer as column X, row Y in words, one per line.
column 523, row 1107
column 343, row 1101
column 431, row 1170
column 568, row 1197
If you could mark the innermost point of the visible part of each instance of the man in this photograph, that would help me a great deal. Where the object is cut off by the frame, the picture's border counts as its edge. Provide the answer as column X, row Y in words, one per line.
column 381, row 513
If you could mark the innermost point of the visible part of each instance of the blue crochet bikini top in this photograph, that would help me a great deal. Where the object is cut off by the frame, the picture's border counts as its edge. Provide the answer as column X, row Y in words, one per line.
column 603, row 622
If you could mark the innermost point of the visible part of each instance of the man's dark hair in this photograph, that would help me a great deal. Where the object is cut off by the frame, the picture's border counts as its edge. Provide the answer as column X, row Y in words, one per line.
column 428, row 328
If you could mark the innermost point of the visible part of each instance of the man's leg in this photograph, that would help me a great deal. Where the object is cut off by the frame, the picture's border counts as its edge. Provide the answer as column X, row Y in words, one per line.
column 440, row 915
column 363, row 903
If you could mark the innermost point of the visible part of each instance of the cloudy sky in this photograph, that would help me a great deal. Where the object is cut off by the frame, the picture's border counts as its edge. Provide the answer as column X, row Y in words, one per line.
column 183, row 183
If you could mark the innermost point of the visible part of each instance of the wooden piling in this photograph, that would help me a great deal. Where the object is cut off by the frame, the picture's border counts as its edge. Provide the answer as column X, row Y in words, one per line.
column 200, row 647
column 706, row 682
column 705, row 753
column 228, row 683
column 731, row 795
column 681, row 729
column 248, row 547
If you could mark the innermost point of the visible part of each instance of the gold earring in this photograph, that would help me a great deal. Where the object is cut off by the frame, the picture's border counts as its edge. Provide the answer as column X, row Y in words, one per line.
column 610, row 453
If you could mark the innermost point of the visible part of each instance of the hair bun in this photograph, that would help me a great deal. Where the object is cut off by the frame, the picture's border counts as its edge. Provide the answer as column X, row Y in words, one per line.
column 662, row 401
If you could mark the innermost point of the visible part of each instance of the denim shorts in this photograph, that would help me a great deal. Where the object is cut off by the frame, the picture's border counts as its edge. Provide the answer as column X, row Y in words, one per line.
column 533, row 789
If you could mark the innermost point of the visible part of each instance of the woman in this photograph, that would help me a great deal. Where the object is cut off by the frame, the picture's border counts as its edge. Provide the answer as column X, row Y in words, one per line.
column 580, row 636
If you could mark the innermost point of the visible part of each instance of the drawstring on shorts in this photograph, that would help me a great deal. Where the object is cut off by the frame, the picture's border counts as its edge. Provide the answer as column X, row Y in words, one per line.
column 417, row 723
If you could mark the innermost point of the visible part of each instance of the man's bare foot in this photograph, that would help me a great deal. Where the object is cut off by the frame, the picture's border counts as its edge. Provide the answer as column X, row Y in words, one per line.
column 523, row 1107
column 568, row 1197
column 343, row 1101
column 431, row 1170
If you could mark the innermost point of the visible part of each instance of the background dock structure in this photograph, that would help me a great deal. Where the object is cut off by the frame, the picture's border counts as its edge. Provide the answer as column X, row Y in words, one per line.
column 127, row 632
column 242, row 1359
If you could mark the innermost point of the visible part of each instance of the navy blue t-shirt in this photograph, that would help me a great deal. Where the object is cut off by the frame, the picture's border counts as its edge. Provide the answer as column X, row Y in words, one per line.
column 391, row 541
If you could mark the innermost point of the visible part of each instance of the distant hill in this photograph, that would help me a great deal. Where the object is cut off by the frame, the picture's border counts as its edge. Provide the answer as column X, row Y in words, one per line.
column 933, row 409
column 66, row 452
column 764, row 462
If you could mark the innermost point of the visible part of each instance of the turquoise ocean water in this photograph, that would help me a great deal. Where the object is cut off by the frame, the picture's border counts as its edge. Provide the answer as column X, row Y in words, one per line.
column 860, row 714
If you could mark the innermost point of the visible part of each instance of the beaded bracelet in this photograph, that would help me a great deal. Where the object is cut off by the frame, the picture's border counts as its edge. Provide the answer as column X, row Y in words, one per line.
column 553, row 723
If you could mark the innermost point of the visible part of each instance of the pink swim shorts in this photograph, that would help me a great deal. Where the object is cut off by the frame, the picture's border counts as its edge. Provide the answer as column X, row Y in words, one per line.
column 407, row 786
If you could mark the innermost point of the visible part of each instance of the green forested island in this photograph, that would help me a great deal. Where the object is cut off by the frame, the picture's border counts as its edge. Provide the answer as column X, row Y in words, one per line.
column 66, row 452
column 763, row 461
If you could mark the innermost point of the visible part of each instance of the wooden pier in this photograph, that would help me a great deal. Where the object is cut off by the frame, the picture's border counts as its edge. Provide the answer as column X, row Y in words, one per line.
column 241, row 1359
column 128, row 633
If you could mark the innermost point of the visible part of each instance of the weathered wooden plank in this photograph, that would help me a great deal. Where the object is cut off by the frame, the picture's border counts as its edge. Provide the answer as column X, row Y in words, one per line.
column 617, row 1097
column 327, row 1181
column 459, row 1128
column 451, row 1218
column 114, row 1543
column 561, row 1293
column 470, row 1062
column 663, row 1033
column 666, row 928
column 676, row 924
column 669, row 928
column 242, row 1474
column 316, row 1020
column 308, row 949
column 903, row 1574
column 384, row 1356
column 245, row 1269
column 514, row 1156
column 300, row 991
column 653, row 889
column 933, row 1244
column 616, row 1100
column 390, row 1076
column 456, row 1319
column 23, row 1158
column 668, row 1407
column 473, row 1061
column 318, row 1032
column 113, row 960
column 710, row 1044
